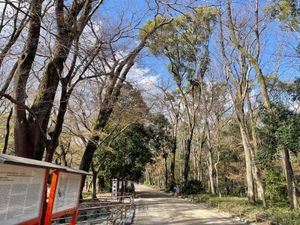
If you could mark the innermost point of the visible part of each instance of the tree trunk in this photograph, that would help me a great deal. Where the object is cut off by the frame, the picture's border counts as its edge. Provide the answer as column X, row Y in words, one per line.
column 187, row 153
column 290, row 180
column 249, row 176
column 23, row 131
column 256, row 171
column 88, row 153
column 258, row 179
column 173, row 161
column 211, row 172
column 100, row 183
column 210, row 160
column 166, row 172
column 7, row 132
column 94, row 195
column 217, row 173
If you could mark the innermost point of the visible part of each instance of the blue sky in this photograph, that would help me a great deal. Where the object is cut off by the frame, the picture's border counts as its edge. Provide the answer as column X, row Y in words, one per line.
column 276, row 39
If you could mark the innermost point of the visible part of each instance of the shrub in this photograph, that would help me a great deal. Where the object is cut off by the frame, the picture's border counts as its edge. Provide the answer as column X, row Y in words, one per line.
column 275, row 186
column 171, row 186
column 146, row 182
column 193, row 187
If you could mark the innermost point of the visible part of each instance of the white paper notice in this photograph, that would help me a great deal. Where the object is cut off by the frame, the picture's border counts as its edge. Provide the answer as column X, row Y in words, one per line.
column 21, row 190
column 67, row 192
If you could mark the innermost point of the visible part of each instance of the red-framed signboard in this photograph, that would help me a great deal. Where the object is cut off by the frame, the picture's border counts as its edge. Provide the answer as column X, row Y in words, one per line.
column 64, row 195
column 23, row 190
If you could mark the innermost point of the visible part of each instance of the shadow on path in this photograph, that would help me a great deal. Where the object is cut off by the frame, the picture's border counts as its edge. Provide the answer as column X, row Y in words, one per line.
column 153, row 207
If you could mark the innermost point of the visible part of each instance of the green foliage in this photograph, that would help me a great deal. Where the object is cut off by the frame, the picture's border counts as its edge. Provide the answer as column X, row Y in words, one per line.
column 192, row 187
column 127, row 155
column 294, row 88
column 280, row 130
column 86, row 195
column 161, row 141
column 286, row 11
column 146, row 182
column 184, row 42
column 275, row 185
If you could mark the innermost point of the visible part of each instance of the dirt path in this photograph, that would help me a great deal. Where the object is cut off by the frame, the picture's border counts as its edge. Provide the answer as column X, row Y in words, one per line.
column 156, row 207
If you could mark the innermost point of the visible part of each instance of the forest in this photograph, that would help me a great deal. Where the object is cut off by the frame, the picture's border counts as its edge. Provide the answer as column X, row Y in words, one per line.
column 204, row 94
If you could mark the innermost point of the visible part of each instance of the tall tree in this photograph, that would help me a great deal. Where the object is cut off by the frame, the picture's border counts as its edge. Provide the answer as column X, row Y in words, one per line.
column 30, row 133
column 22, row 126
column 162, row 140
column 117, row 75
column 185, row 43
column 239, row 86
column 254, row 60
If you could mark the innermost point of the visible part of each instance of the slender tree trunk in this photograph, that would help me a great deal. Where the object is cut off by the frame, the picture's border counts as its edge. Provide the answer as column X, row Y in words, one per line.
column 211, row 172
column 64, row 154
column 59, row 124
column 210, row 162
column 166, row 172
column 173, row 161
column 195, row 165
column 199, row 177
column 187, row 153
column 88, row 153
column 290, row 180
column 173, row 152
column 7, row 131
column 94, row 195
column 258, row 179
column 200, row 172
column 249, row 176
column 256, row 171
column 217, row 173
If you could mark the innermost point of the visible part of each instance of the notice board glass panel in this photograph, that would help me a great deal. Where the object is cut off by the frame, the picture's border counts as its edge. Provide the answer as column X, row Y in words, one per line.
column 67, row 192
column 21, row 191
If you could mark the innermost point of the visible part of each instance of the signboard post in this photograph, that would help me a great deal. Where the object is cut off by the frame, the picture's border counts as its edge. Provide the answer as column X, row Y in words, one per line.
column 114, row 189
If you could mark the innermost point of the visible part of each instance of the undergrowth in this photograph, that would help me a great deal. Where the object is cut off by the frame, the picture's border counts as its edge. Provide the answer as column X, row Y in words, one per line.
column 275, row 213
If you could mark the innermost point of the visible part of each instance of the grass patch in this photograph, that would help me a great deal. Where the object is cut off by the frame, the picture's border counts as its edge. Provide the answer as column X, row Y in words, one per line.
column 87, row 195
column 277, row 212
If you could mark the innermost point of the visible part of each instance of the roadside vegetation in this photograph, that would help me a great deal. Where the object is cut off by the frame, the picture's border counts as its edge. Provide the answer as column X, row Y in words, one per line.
column 276, row 213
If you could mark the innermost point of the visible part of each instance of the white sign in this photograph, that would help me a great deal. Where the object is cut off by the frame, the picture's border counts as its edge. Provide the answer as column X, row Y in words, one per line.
column 21, row 190
column 67, row 192
column 114, row 189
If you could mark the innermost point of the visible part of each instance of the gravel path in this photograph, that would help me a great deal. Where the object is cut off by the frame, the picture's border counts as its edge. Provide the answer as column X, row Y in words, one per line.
column 156, row 207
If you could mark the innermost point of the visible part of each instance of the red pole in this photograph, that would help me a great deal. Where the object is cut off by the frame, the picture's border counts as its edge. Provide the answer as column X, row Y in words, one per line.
column 51, row 197
column 74, row 216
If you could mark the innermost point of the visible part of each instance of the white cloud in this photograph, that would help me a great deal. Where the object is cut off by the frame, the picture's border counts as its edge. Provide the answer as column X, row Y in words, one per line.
column 143, row 79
